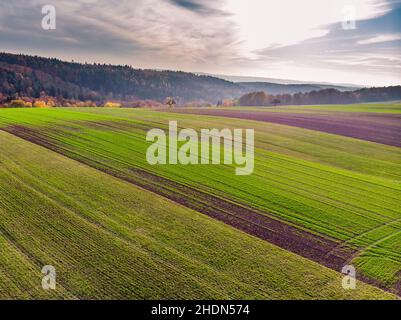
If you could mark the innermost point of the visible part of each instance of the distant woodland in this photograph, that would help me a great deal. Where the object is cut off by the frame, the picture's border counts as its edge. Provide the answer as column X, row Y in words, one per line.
column 27, row 81
column 324, row 96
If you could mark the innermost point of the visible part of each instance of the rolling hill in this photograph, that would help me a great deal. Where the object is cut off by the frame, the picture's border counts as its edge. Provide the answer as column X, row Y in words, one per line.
column 110, row 239
column 33, row 77
column 78, row 183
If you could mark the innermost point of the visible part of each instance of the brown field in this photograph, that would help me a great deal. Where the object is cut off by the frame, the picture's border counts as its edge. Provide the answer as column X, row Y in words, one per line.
column 383, row 128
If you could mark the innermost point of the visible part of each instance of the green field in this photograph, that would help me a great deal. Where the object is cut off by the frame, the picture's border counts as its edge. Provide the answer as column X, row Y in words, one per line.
column 78, row 207
column 386, row 108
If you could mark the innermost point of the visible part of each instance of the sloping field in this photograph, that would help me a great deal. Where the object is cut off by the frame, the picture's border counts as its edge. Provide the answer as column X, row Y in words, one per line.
column 110, row 239
column 332, row 199
column 382, row 128
column 384, row 107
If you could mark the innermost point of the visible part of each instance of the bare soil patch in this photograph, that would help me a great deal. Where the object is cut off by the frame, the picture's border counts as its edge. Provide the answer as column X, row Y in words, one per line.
column 380, row 128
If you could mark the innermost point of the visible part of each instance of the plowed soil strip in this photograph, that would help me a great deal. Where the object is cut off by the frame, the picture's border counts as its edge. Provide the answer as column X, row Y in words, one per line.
column 385, row 129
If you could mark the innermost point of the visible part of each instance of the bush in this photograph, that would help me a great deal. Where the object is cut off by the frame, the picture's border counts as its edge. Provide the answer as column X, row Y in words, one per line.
column 254, row 99
column 18, row 103
column 112, row 105
column 40, row 104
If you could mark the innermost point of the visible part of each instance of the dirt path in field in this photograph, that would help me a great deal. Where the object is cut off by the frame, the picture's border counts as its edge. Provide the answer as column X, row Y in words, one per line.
column 381, row 128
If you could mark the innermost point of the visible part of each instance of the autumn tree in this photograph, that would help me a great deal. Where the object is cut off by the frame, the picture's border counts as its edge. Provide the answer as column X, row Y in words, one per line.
column 170, row 102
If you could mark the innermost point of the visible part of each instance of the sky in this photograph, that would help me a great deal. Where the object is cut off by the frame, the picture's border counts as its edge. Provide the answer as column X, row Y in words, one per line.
column 337, row 41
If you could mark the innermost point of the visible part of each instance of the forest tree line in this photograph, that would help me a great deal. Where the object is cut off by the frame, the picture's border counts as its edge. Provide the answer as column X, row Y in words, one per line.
column 324, row 96
column 36, row 81
column 32, row 76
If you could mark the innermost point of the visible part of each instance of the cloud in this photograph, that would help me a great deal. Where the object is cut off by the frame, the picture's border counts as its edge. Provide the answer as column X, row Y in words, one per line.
column 146, row 32
column 286, row 22
column 380, row 38
column 189, row 4
column 370, row 53
column 275, row 38
column 198, row 6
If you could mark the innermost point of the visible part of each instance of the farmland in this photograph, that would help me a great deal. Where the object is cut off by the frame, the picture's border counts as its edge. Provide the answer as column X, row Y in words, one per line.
column 77, row 182
column 359, row 121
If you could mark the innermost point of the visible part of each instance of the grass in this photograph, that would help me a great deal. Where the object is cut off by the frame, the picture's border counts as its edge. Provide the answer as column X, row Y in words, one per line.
column 388, row 107
column 338, row 187
column 110, row 239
